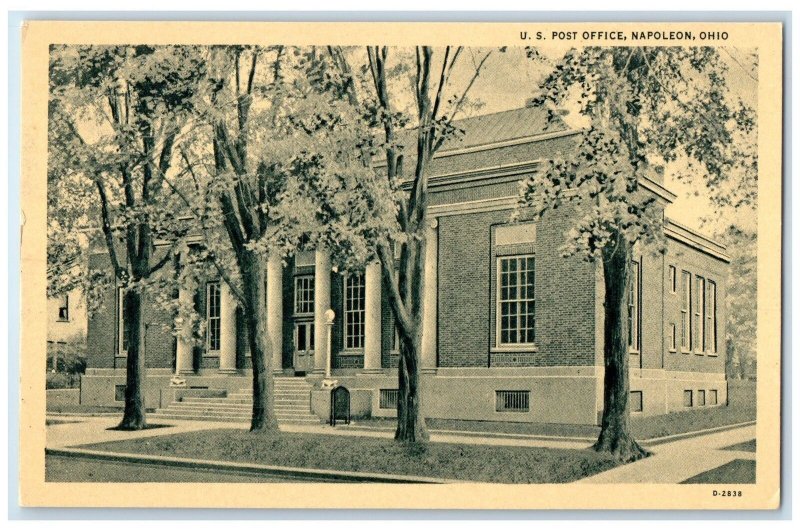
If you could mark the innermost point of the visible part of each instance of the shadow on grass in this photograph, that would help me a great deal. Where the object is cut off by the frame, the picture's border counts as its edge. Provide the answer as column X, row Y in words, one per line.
column 738, row 471
column 147, row 427
column 746, row 446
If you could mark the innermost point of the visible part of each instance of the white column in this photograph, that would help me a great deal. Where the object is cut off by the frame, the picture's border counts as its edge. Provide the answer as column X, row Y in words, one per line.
column 430, row 297
column 275, row 310
column 372, row 326
column 322, row 303
column 227, row 355
column 184, row 356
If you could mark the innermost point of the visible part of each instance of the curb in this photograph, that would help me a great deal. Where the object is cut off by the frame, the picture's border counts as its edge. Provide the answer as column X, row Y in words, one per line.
column 245, row 468
column 698, row 433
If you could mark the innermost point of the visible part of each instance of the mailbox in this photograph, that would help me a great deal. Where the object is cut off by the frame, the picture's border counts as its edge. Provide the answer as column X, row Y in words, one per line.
column 340, row 405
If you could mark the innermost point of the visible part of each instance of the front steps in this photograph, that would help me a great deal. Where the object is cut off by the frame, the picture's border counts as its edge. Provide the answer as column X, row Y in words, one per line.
column 292, row 405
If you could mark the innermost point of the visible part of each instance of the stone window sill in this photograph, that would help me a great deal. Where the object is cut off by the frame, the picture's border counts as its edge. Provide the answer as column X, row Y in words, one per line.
column 514, row 349
column 351, row 352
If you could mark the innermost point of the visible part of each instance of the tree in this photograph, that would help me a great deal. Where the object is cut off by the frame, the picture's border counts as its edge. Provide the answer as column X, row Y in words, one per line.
column 265, row 112
column 115, row 116
column 740, row 301
column 383, row 213
column 640, row 108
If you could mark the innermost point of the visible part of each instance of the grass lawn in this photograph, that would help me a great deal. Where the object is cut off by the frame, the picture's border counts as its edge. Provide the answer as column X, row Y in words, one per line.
column 690, row 420
column 643, row 427
column 497, row 464
column 746, row 446
column 736, row 472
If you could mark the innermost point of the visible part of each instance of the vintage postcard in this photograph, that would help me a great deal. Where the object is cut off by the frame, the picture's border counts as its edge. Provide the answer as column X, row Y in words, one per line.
column 401, row 265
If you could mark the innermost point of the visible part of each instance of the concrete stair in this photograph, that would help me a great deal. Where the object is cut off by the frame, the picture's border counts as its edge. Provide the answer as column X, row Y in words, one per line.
column 292, row 405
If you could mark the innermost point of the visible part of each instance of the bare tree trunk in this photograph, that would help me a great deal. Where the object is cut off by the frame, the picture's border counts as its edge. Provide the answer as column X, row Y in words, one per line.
column 134, row 416
column 253, row 278
column 615, row 436
column 411, row 425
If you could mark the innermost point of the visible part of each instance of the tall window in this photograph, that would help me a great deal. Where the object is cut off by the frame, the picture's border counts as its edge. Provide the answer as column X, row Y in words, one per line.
column 673, row 337
column 213, row 316
column 123, row 324
column 633, row 307
column 686, row 311
column 699, row 315
column 63, row 308
column 304, row 295
column 516, row 300
column 354, row 311
column 712, row 316
column 673, row 279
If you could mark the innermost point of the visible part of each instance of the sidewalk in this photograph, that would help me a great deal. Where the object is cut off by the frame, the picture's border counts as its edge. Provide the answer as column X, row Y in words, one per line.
column 674, row 462
column 88, row 430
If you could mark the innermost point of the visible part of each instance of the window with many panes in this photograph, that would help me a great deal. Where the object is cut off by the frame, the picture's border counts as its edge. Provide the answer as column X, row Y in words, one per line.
column 213, row 317
column 354, row 311
column 686, row 311
column 673, row 337
column 634, row 288
column 699, row 315
column 123, row 324
column 63, row 308
column 304, row 295
column 673, row 279
column 711, row 316
column 516, row 300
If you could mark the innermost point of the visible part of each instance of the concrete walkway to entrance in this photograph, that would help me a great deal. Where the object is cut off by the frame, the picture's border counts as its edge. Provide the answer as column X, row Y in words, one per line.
column 677, row 461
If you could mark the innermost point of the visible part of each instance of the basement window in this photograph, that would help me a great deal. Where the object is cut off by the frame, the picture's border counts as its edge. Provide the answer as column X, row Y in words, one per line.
column 513, row 401
column 712, row 397
column 388, row 399
column 637, row 402
column 687, row 398
column 119, row 393
column 701, row 397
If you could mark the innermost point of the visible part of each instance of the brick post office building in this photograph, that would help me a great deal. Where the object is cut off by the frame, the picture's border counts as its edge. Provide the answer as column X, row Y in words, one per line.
column 513, row 331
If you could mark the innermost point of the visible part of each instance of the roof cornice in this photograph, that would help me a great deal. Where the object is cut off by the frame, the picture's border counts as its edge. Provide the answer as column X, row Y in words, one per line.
column 694, row 239
column 380, row 162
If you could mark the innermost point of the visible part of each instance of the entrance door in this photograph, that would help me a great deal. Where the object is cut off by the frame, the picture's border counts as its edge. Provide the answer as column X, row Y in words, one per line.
column 304, row 346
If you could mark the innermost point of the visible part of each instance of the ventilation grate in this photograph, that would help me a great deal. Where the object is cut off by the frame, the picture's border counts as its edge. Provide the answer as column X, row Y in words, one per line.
column 388, row 398
column 519, row 401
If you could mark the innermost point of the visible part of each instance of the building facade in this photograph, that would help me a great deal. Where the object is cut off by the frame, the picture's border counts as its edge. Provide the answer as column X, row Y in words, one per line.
column 512, row 332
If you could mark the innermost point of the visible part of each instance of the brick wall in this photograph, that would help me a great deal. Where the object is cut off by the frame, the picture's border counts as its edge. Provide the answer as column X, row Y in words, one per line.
column 103, row 329
column 467, row 286
column 101, row 345
column 686, row 258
